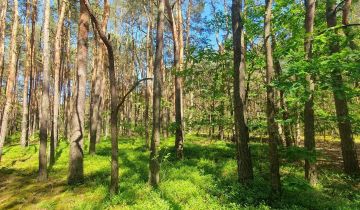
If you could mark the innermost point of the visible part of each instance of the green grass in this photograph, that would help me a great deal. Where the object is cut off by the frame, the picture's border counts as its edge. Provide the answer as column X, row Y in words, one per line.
column 205, row 179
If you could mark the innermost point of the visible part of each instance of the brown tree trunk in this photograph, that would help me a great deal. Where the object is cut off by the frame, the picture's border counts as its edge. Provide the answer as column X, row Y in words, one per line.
column 351, row 165
column 309, row 130
column 154, row 164
column 57, row 51
column 11, row 78
column 149, row 72
column 271, row 109
column 96, row 97
column 25, row 119
column 76, row 169
column 245, row 169
column 2, row 43
column 44, row 111
column 177, row 32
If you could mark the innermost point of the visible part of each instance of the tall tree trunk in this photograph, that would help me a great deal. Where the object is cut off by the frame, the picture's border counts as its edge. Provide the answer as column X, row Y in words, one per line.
column 154, row 164
column 76, row 169
column 27, row 70
column 96, row 97
column 44, row 111
column 11, row 78
column 245, row 169
column 351, row 165
column 57, row 66
column 271, row 109
column 309, row 130
column 2, row 43
column 177, row 32
column 149, row 72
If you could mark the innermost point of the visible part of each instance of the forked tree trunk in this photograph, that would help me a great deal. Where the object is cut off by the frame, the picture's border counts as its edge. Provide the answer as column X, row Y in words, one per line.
column 271, row 109
column 351, row 165
column 309, row 130
column 44, row 116
column 76, row 169
column 245, row 169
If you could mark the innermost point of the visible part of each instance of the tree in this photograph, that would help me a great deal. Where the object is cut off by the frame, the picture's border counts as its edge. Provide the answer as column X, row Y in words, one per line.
column 245, row 169
column 25, row 115
column 271, row 109
column 176, row 24
column 348, row 150
column 309, row 127
column 57, row 57
column 11, row 78
column 154, row 165
column 97, row 84
column 76, row 169
column 44, row 116
column 2, row 44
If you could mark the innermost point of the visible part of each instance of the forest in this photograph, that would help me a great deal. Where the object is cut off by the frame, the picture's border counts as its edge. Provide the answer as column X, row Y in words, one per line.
column 180, row 104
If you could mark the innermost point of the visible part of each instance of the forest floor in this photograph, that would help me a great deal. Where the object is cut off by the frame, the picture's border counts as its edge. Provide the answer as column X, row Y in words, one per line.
column 205, row 179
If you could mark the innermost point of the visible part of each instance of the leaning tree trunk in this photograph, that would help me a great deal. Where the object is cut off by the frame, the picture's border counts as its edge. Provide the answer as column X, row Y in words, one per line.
column 76, row 169
column 44, row 113
column 351, row 165
column 154, row 164
column 309, row 130
column 11, row 78
column 271, row 109
column 245, row 169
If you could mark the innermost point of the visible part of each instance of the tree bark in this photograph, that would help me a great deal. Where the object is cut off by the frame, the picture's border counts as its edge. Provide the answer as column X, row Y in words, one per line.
column 76, row 169
column 2, row 43
column 57, row 66
column 149, row 72
column 25, row 119
column 245, row 169
column 309, row 129
column 351, row 165
column 154, row 165
column 11, row 78
column 271, row 109
column 177, row 32
column 44, row 112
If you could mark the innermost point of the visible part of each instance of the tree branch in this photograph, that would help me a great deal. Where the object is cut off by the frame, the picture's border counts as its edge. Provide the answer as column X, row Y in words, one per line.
column 338, row 27
column 129, row 91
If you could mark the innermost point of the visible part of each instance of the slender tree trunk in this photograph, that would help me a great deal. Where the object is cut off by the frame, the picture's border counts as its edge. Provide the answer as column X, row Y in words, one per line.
column 177, row 31
column 44, row 116
column 309, row 131
column 271, row 109
column 149, row 71
column 351, row 165
column 11, row 78
column 245, row 169
column 96, row 98
column 2, row 43
column 27, row 70
column 154, row 164
column 76, row 169
column 57, row 66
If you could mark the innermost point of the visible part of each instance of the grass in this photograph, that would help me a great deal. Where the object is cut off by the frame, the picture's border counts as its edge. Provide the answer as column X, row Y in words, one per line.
column 205, row 179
